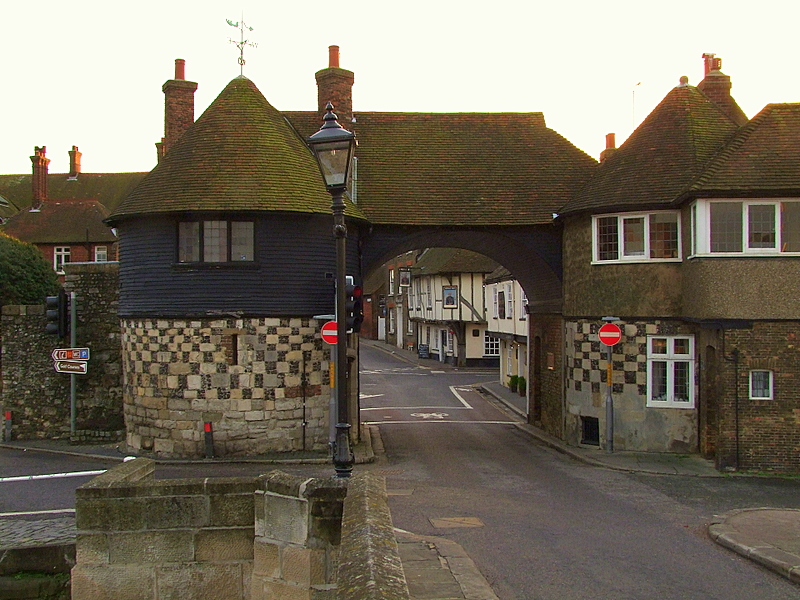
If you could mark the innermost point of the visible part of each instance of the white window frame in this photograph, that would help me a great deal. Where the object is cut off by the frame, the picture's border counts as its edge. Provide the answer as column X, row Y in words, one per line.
column 491, row 345
column 771, row 393
column 391, row 282
column 495, row 305
column 672, row 359
column 61, row 256
column 509, row 301
column 644, row 257
column 101, row 254
column 418, row 288
column 430, row 293
column 701, row 227
column 523, row 315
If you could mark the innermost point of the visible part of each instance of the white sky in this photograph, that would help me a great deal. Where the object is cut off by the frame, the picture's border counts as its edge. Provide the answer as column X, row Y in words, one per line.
column 89, row 73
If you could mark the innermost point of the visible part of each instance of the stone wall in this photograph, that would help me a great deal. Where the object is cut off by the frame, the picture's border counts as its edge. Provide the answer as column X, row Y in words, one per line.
column 277, row 536
column 140, row 538
column 260, row 382
column 37, row 397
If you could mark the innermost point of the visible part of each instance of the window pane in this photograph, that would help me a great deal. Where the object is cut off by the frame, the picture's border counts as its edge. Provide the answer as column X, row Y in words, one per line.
column 681, row 346
column 189, row 241
column 101, row 254
column 663, row 235
column 681, row 381
column 607, row 239
column 658, row 345
column 633, row 236
column 501, row 304
column 790, row 226
column 726, row 227
column 761, row 384
column 241, row 240
column 215, row 241
column 658, row 381
column 761, row 226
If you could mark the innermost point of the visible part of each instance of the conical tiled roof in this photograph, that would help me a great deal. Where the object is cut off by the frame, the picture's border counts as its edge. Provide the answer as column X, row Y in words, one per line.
column 661, row 158
column 240, row 155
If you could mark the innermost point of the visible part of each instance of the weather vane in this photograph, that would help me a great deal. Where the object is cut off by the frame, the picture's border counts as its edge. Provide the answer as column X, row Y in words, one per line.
column 242, row 42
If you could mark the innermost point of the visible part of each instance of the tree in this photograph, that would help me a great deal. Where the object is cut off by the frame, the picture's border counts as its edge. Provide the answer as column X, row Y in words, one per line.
column 25, row 276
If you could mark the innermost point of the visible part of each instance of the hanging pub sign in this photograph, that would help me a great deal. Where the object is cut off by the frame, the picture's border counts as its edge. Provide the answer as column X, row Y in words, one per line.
column 450, row 295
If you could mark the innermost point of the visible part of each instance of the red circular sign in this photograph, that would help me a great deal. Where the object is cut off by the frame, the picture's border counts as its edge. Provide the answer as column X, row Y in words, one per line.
column 329, row 332
column 610, row 334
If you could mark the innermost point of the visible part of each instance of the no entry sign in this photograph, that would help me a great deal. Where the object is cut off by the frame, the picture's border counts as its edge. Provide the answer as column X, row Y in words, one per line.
column 610, row 334
column 329, row 332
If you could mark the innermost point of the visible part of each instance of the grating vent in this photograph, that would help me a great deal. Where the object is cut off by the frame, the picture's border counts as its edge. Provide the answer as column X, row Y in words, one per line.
column 590, row 431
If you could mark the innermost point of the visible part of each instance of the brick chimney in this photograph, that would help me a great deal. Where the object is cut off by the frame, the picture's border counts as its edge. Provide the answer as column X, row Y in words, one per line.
column 611, row 146
column 335, row 85
column 39, row 179
column 74, row 163
column 178, row 108
column 717, row 86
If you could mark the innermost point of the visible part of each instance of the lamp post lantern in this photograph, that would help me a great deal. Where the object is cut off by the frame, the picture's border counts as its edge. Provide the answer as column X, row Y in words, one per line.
column 333, row 148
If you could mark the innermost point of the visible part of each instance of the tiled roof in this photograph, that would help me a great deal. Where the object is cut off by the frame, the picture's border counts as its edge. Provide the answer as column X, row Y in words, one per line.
column 498, row 275
column 108, row 188
column 61, row 222
column 452, row 260
column 241, row 155
column 661, row 158
column 764, row 157
column 460, row 168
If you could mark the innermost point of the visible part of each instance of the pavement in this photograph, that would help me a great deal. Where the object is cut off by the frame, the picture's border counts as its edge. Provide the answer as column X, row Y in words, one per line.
column 439, row 569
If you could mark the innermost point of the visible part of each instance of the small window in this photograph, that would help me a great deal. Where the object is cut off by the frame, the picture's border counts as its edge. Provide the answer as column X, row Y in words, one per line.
column 216, row 241
column 761, row 385
column 101, row 254
column 60, row 257
column 501, row 304
column 491, row 345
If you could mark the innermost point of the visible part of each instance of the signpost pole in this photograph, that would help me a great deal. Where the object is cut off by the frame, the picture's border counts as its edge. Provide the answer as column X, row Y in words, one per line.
column 609, row 403
column 73, row 378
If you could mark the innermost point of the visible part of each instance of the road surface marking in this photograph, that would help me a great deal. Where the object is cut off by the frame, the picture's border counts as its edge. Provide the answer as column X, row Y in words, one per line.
column 439, row 421
column 445, row 522
column 52, row 476
column 457, row 395
column 370, row 395
column 33, row 513
column 430, row 415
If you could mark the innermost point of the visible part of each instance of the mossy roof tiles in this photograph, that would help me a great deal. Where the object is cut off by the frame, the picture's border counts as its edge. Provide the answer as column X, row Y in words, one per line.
column 61, row 222
column 460, row 168
column 661, row 159
column 240, row 155
column 452, row 260
column 108, row 188
column 763, row 157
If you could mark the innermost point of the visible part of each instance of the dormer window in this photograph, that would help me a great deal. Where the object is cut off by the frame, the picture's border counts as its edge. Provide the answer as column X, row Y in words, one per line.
column 752, row 227
column 636, row 237
column 215, row 241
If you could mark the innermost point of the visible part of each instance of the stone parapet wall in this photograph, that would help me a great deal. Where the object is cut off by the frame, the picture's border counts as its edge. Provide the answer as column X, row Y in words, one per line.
column 140, row 538
column 262, row 383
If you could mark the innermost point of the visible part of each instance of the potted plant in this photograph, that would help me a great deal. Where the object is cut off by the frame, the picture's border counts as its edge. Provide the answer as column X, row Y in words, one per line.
column 513, row 381
column 521, row 386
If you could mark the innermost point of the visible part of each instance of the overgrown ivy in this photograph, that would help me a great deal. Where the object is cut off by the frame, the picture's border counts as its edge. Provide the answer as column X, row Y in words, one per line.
column 25, row 276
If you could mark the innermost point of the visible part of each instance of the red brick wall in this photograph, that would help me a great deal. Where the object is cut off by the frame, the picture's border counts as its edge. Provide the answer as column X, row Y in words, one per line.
column 768, row 430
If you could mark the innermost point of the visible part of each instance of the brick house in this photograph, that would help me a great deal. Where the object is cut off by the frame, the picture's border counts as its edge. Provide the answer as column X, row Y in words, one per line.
column 689, row 234
column 62, row 213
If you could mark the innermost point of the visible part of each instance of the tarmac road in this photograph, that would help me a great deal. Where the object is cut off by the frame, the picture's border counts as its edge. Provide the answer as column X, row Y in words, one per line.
column 537, row 523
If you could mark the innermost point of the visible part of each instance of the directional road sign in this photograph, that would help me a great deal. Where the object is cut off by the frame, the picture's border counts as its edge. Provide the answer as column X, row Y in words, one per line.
column 71, row 366
column 70, row 354
column 329, row 332
column 610, row 334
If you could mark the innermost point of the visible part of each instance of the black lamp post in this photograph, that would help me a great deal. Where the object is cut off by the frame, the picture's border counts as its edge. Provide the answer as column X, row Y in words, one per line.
column 333, row 147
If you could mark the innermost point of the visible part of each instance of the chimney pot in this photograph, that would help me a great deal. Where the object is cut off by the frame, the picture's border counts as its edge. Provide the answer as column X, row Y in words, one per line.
column 39, row 178
column 611, row 141
column 180, row 68
column 333, row 57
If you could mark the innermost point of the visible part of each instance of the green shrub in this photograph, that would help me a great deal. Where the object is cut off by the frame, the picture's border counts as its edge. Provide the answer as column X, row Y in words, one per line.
column 25, row 276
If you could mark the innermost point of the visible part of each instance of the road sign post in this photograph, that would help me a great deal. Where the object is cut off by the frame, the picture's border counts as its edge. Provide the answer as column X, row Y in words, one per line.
column 610, row 335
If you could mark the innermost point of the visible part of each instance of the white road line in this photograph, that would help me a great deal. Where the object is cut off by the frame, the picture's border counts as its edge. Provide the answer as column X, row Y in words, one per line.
column 457, row 395
column 438, row 421
column 363, row 396
column 417, row 408
column 52, row 476
column 33, row 513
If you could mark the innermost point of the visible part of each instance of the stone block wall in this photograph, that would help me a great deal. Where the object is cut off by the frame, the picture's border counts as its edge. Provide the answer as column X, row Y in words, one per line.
column 297, row 535
column 262, row 383
column 37, row 397
column 140, row 538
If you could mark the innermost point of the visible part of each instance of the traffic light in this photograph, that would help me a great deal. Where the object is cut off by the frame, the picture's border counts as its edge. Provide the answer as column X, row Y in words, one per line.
column 57, row 312
column 354, row 307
